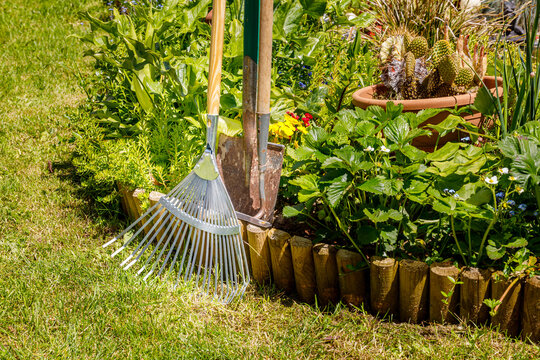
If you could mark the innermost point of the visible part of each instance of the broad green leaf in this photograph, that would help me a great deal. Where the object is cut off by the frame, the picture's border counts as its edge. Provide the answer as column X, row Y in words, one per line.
column 229, row 127
column 289, row 211
column 367, row 235
column 142, row 95
column 485, row 102
column 517, row 243
column 306, row 182
column 446, row 152
column 337, row 189
column 495, row 253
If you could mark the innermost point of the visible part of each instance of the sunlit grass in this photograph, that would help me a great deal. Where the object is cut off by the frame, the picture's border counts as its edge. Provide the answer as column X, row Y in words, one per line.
column 62, row 296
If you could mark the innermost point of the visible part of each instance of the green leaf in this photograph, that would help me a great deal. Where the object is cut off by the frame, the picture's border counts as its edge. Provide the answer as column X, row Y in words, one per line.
column 289, row 211
column 367, row 235
column 229, row 127
column 396, row 130
column 446, row 152
column 337, row 189
column 315, row 8
column 517, row 243
column 495, row 253
column 485, row 102
column 142, row 95
column 306, row 182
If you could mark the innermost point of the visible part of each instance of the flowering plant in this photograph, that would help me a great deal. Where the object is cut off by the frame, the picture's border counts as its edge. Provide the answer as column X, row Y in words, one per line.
column 291, row 127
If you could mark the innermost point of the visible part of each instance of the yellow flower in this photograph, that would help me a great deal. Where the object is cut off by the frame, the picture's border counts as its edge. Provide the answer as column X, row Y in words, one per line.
column 289, row 119
column 512, row 178
column 302, row 129
column 519, row 189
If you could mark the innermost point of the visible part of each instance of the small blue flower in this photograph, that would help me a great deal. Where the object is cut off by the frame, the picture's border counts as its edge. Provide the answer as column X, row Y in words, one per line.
column 445, row 191
column 111, row 9
column 310, row 73
column 465, row 139
column 499, row 195
column 522, row 207
column 109, row 3
column 535, row 213
column 325, row 82
column 451, row 191
column 512, row 212
column 511, row 202
column 302, row 85
column 288, row 83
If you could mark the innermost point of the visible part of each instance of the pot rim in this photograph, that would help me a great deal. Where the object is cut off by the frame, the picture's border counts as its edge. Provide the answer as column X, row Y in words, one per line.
column 364, row 97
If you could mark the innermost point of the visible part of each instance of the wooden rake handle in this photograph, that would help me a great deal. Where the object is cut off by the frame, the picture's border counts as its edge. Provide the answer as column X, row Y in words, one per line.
column 265, row 57
column 216, row 57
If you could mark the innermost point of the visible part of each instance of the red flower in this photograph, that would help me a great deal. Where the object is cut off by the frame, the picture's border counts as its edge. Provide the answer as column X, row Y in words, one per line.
column 309, row 116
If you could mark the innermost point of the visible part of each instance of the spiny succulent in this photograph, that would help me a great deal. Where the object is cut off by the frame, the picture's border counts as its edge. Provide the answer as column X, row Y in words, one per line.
column 410, row 70
column 441, row 49
column 418, row 46
column 464, row 77
column 448, row 68
column 410, row 64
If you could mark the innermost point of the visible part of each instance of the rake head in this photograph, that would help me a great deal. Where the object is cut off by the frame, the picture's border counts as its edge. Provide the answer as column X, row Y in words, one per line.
column 193, row 234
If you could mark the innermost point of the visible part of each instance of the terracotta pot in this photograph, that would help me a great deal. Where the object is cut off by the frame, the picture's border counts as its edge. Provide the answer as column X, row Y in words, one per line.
column 364, row 97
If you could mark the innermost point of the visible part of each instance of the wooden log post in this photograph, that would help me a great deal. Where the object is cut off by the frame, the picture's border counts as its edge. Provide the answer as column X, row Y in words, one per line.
column 122, row 195
column 245, row 241
column 259, row 253
column 413, row 291
column 443, row 308
column 326, row 274
column 508, row 314
column 137, row 194
column 474, row 290
column 531, row 309
column 280, row 254
column 154, row 197
column 304, row 268
column 384, row 286
column 353, row 279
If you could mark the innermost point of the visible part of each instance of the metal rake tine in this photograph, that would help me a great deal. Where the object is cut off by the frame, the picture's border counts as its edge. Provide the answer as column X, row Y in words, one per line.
column 177, row 238
column 171, row 222
column 150, row 240
column 131, row 226
column 147, row 236
column 189, row 231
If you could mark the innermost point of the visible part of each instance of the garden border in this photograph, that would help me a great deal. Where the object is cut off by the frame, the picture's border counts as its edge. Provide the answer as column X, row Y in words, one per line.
column 409, row 290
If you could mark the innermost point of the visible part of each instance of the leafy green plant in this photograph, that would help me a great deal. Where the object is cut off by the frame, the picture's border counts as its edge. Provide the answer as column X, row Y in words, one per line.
column 518, row 103
column 353, row 182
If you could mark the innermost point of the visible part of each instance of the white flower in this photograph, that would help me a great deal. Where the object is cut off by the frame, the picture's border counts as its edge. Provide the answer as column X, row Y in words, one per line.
column 384, row 149
column 456, row 196
column 369, row 149
column 519, row 189
column 503, row 171
column 512, row 178
column 492, row 180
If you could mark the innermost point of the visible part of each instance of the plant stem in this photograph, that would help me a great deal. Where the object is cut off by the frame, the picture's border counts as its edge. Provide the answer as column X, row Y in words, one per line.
column 486, row 233
column 346, row 233
column 456, row 239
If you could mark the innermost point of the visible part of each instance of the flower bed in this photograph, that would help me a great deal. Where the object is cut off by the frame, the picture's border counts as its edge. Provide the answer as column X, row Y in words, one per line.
column 409, row 290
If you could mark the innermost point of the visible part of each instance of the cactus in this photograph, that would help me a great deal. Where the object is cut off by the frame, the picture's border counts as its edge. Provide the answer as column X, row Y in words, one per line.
column 410, row 70
column 441, row 49
column 464, row 77
column 418, row 46
column 448, row 68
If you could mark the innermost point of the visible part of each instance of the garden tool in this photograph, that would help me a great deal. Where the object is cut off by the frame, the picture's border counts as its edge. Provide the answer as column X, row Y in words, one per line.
column 251, row 166
column 194, row 230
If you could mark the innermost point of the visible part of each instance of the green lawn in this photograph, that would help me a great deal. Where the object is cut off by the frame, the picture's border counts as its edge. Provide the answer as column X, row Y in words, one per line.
column 61, row 296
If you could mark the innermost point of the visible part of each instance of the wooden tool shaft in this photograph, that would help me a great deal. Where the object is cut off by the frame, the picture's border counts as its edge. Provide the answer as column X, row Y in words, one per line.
column 216, row 52
column 265, row 57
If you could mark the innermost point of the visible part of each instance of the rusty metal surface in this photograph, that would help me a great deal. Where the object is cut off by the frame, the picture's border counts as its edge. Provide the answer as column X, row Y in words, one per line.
column 232, row 164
